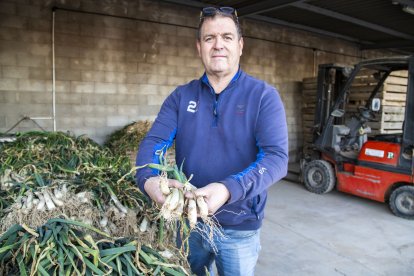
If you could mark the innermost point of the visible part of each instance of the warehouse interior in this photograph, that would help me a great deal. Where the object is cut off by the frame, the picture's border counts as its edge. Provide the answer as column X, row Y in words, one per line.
column 91, row 67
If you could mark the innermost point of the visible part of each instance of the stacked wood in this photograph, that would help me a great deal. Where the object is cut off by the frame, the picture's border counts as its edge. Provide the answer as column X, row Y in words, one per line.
column 309, row 92
column 392, row 94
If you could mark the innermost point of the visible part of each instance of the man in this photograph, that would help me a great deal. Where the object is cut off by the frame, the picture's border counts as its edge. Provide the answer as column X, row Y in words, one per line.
column 230, row 131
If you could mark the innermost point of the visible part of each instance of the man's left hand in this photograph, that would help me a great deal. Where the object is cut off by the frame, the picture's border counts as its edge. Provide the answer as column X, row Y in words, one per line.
column 215, row 194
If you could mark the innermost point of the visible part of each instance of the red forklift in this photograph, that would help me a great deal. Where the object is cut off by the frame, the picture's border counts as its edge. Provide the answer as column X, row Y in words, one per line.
column 346, row 151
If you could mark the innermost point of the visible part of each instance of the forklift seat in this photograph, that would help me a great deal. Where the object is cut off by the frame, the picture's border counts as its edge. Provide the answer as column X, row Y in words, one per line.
column 348, row 140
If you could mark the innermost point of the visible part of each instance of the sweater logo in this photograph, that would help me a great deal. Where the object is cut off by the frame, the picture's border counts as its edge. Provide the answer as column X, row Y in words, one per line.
column 192, row 106
column 262, row 170
column 240, row 109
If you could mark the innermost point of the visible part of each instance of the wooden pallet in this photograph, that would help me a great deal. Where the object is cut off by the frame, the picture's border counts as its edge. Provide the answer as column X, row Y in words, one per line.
column 309, row 91
column 392, row 94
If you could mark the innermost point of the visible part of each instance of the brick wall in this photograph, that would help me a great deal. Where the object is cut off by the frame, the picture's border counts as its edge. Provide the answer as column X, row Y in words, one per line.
column 115, row 62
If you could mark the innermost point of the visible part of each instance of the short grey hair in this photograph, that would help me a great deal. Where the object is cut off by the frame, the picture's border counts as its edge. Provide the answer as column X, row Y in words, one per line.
column 219, row 13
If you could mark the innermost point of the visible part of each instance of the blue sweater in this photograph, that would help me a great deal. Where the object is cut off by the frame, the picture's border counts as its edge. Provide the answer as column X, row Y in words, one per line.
column 239, row 139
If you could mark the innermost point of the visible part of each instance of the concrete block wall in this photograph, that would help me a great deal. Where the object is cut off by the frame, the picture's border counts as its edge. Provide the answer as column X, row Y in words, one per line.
column 116, row 61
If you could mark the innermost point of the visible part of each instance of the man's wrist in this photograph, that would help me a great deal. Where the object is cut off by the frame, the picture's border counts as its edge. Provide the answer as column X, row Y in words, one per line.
column 226, row 191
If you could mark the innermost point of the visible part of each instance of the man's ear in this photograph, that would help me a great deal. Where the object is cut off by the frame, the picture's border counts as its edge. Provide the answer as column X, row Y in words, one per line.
column 241, row 44
column 198, row 47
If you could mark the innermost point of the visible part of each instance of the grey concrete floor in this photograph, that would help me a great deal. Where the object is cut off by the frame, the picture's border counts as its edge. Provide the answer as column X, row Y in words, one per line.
column 332, row 234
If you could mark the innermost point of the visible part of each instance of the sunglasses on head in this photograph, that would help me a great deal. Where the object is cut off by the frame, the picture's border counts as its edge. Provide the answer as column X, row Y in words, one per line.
column 211, row 11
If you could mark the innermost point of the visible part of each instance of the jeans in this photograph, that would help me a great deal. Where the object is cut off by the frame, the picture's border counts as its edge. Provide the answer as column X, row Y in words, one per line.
column 235, row 254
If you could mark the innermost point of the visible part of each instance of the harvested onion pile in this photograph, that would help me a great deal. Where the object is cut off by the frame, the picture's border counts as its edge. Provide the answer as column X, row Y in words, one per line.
column 65, row 247
column 53, row 179
column 43, row 175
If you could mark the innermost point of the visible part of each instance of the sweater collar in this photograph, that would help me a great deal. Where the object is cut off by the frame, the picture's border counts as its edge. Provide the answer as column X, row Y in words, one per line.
column 204, row 78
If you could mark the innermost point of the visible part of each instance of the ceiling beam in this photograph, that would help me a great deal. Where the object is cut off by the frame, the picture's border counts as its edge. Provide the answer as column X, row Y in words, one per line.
column 189, row 3
column 404, row 2
column 265, row 6
column 305, row 28
column 352, row 20
column 389, row 44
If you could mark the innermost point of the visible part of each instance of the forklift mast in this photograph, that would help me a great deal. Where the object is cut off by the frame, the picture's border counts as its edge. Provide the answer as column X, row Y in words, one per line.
column 331, row 79
column 408, row 129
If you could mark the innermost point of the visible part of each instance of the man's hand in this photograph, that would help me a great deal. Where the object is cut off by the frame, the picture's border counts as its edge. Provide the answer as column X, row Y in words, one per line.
column 215, row 194
column 152, row 187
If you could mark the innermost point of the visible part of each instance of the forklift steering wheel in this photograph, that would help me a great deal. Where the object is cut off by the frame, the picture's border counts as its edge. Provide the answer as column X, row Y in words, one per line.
column 366, row 113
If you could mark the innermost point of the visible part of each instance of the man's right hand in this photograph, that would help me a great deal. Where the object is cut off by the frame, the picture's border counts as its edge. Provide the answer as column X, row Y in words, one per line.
column 152, row 187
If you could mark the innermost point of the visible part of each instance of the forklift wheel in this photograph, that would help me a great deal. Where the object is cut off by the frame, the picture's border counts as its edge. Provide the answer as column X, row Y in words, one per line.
column 319, row 177
column 402, row 202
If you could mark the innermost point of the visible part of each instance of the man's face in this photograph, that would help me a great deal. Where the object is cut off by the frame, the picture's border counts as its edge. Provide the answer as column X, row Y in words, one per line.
column 220, row 47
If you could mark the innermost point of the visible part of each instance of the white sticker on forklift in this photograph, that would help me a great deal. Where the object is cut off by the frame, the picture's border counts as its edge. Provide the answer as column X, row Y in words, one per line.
column 374, row 152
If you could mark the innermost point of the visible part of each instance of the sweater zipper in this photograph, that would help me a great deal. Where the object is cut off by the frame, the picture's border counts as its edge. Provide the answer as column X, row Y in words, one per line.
column 215, row 111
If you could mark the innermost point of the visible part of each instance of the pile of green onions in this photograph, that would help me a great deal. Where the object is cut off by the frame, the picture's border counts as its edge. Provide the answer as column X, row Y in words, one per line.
column 61, row 247
column 41, row 162
column 39, row 159
column 127, row 139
